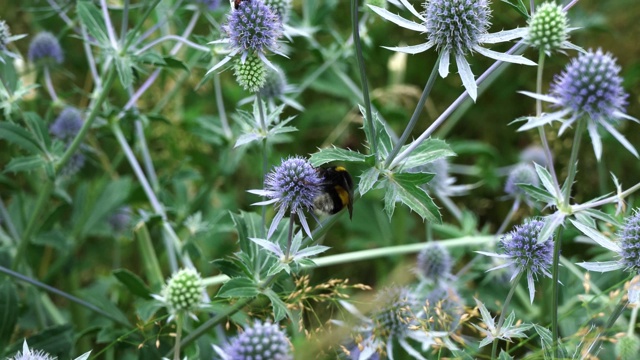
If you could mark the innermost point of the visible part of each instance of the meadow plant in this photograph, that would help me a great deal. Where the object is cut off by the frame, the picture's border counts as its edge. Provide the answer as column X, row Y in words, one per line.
column 208, row 219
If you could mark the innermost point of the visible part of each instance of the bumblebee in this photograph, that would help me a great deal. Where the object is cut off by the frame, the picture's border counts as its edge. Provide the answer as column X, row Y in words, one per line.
column 337, row 191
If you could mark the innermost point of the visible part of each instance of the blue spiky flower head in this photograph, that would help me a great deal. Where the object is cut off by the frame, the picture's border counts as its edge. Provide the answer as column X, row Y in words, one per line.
column 396, row 308
column 253, row 27
column 434, row 262
column 294, row 183
column 67, row 124
column 280, row 8
column 261, row 341
column 629, row 237
column 591, row 86
column 527, row 254
column 31, row 354
column 456, row 25
column 5, row 34
column 548, row 29
column 45, row 48
column 523, row 173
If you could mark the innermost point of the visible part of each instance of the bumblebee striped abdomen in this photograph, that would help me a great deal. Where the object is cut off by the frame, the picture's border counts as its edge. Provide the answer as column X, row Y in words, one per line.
column 337, row 191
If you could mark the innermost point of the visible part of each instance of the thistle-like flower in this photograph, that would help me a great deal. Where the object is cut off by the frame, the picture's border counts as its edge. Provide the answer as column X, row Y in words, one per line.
column 455, row 28
column 31, row 354
column 183, row 293
column 67, row 124
column 252, row 29
column 292, row 186
column 534, row 154
column 395, row 318
column 434, row 263
column 589, row 89
column 523, row 173
column 521, row 249
column 45, row 48
column 261, row 341
column 548, row 29
column 5, row 39
column 280, row 8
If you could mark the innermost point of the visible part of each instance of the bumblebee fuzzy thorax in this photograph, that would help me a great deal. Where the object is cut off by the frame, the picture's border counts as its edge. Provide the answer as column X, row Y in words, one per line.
column 337, row 191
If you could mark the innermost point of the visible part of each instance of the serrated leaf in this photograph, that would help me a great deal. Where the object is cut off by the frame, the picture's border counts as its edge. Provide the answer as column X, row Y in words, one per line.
column 20, row 137
column 596, row 236
column 238, row 288
column 247, row 225
column 600, row 215
column 124, row 67
column 519, row 6
column 428, row 151
column 132, row 282
column 551, row 223
column 24, row 163
column 8, row 311
column 246, row 138
column 91, row 17
column 368, row 179
column 280, row 309
column 537, row 193
column 390, row 197
column 332, row 154
column 504, row 356
column 231, row 267
column 604, row 266
column 415, row 197
column 546, row 180
column 174, row 63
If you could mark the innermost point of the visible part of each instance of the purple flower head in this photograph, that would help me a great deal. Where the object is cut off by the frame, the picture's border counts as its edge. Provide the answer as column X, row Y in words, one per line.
column 67, row 124
column 295, row 183
column 629, row 237
column 523, row 173
column 534, row 154
column 434, row 262
column 396, row 312
column 591, row 85
column 456, row 25
column 259, row 342
column 45, row 47
column 253, row 27
column 525, row 251
column 280, row 8
column 208, row 4
column 5, row 34
column 76, row 162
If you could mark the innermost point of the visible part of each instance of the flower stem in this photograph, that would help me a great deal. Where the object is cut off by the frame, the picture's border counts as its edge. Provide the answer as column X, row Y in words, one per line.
column 289, row 236
column 363, row 78
column 507, row 301
column 555, row 290
column 573, row 161
column 176, row 349
column 416, row 114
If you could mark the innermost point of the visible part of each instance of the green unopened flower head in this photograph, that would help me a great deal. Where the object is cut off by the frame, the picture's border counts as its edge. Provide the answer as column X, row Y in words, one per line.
column 251, row 74
column 183, row 293
column 627, row 347
column 280, row 8
column 548, row 28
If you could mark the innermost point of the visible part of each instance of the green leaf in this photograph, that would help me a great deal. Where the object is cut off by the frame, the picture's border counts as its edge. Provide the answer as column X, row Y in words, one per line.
column 99, row 299
column 24, row 163
column 415, row 197
column 546, row 180
column 280, row 309
column 91, row 17
column 8, row 311
column 231, row 267
column 124, row 66
column 390, row 198
column 328, row 155
column 94, row 202
column 248, row 225
column 238, row 288
column 368, row 179
column 519, row 6
column 428, row 151
column 174, row 63
column 8, row 74
column 20, row 137
column 537, row 193
column 133, row 282
column 504, row 356
column 40, row 128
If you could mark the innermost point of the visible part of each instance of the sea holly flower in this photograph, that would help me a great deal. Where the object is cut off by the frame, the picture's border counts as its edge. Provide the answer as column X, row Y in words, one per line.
column 523, row 173
column 252, row 29
column 183, row 293
column 627, row 247
column 455, row 28
column 589, row 89
column 434, row 263
column 394, row 319
column 292, row 186
column 261, row 341
column 250, row 74
column 67, row 125
column 521, row 249
column 45, row 48
column 510, row 328
column 548, row 29
column 31, row 354
column 5, row 39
